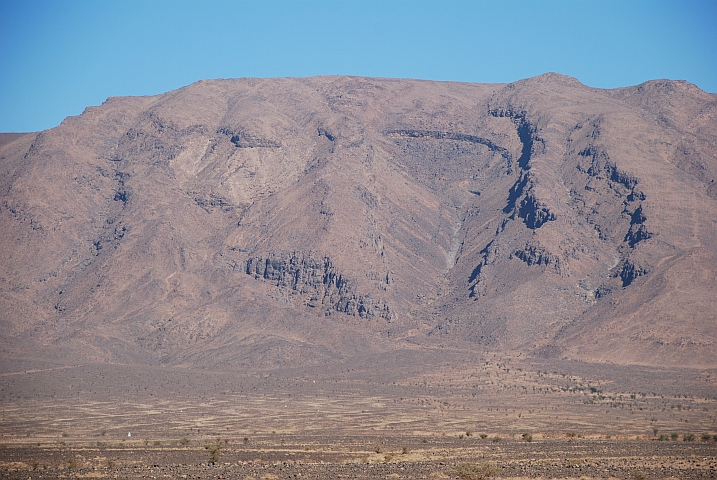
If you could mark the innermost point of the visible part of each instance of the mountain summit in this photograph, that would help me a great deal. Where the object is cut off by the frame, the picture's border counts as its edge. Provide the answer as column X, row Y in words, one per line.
column 274, row 222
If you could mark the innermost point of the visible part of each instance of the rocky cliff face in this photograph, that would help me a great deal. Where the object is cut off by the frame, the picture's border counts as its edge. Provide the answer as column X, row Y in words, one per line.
column 316, row 283
column 237, row 220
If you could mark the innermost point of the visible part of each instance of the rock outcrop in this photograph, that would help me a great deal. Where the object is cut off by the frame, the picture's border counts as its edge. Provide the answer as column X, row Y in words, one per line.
column 317, row 283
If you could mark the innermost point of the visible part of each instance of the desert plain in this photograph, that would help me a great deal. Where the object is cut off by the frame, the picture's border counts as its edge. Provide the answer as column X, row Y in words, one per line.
column 406, row 415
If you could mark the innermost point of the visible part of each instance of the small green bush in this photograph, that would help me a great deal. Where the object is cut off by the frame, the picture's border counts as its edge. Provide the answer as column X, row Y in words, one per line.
column 475, row 471
column 674, row 435
column 214, row 451
column 688, row 437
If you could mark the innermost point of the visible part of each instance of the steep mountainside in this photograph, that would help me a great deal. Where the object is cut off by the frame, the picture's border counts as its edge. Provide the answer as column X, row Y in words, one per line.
column 268, row 222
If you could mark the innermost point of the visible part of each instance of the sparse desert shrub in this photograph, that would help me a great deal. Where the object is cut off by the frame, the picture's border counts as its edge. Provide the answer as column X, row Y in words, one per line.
column 424, row 440
column 65, row 434
column 714, row 438
column 527, row 437
column 460, row 436
column 388, row 457
column 246, row 439
column 185, row 441
column 496, row 439
column 404, row 450
column 483, row 436
column 72, row 463
column 214, row 451
column 688, row 437
column 111, row 462
column 674, row 435
column 706, row 437
column 468, row 433
column 663, row 437
column 638, row 475
column 475, row 471
column 377, row 448
column 157, row 443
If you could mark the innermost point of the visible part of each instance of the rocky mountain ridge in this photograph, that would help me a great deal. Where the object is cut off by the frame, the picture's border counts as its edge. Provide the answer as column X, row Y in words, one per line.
column 259, row 222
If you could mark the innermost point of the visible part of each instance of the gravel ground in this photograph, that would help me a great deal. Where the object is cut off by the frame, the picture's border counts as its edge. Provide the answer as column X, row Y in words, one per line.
column 549, row 458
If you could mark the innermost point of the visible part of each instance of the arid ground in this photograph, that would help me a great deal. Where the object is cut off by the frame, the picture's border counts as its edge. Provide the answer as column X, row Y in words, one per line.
column 404, row 415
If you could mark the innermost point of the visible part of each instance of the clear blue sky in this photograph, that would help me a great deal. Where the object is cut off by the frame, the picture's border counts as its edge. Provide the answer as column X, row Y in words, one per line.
column 59, row 56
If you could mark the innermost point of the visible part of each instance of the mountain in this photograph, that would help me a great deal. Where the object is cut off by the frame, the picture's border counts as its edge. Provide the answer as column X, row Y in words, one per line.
column 273, row 222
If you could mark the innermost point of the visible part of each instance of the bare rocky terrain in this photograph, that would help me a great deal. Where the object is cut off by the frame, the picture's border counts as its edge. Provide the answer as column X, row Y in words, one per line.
column 268, row 222
column 333, row 263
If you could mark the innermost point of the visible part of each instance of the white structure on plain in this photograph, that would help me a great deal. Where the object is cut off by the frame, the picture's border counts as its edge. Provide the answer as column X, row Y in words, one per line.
column 129, row 434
